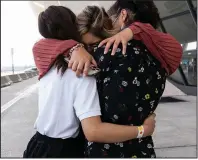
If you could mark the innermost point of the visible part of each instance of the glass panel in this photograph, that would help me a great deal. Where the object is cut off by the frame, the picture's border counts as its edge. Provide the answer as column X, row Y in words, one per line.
column 191, row 46
column 167, row 8
column 189, row 65
column 182, row 28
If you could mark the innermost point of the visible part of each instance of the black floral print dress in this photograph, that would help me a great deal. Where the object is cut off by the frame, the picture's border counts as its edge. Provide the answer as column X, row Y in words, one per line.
column 130, row 87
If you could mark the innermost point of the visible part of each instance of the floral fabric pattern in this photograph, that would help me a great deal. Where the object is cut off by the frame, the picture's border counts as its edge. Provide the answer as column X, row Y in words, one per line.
column 130, row 87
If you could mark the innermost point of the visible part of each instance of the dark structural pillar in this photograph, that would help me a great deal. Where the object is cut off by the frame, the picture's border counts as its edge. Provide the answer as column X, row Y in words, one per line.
column 192, row 10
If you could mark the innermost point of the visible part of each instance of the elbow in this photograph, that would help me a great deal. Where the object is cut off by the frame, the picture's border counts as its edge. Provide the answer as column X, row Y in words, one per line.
column 91, row 135
column 92, row 128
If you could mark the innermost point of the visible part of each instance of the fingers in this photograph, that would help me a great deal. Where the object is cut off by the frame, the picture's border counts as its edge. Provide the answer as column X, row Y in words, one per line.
column 103, row 42
column 153, row 115
column 108, row 45
column 79, row 69
column 115, row 46
column 149, row 125
column 93, row 62
column 74, row 66
column 70, row 64
column 86, row 68
column 124, row 46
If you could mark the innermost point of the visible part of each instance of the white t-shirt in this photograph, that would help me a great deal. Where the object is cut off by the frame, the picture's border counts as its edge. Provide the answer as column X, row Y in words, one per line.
column 63, row 102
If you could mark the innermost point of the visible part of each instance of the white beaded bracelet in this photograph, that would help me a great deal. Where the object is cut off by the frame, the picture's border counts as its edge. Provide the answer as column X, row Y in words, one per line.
column 79, row 45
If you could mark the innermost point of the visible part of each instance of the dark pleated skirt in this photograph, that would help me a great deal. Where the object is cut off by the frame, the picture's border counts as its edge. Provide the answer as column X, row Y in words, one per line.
column 41, row 146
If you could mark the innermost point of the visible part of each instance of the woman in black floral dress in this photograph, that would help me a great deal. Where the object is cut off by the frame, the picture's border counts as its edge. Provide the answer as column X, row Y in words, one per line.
column 130, row 86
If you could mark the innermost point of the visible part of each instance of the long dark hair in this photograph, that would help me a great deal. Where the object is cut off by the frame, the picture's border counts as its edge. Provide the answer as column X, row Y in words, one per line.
column 58, row 22
column 144, row 11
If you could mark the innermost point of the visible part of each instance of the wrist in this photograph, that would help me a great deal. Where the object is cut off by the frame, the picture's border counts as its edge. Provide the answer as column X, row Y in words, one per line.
column 135, row 29
column 140, row 131
column 76, row 47
column 146, row 131
column 129, row 34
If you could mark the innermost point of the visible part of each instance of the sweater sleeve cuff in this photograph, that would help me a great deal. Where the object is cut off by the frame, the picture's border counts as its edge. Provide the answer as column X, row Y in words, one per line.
column 66, row 46
column 89, row 114
column 135, row 29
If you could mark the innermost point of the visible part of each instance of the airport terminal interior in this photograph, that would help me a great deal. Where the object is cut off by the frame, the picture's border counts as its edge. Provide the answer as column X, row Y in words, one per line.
column 178, row 104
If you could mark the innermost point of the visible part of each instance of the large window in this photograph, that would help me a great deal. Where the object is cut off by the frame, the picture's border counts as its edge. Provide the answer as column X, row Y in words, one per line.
column 189, row 62
column 19, row 33
column 179, row 22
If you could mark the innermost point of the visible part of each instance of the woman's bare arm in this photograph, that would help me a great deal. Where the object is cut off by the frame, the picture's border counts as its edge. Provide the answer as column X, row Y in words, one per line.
column 87, row 109
column 97, row 131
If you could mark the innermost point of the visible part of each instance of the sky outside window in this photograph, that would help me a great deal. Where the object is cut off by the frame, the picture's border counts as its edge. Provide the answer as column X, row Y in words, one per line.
column 19, row 31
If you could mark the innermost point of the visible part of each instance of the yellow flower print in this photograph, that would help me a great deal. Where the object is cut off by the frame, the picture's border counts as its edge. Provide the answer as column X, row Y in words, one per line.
column 130, row 69
column 147, row 96
column 134, row 156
